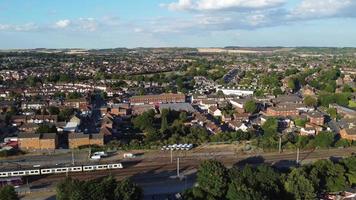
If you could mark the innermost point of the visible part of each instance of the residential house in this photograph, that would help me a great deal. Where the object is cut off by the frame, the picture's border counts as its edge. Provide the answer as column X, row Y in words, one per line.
column 76, row 140
column 32, row 141
column 213, row 128
column 238, row 125
column 157, row 99
column 316, row 117
column 307, row 132
column 226, row 118
column 284, row 111
column 32, row 105
column 348, row 133
column 215, row 111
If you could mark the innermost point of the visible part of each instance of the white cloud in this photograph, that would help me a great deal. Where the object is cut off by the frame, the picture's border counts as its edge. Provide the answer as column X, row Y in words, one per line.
column 81, row 24
column 88, row 24
column 62, row 23
column 212, row 5
column 19, row 28
column 324, row 8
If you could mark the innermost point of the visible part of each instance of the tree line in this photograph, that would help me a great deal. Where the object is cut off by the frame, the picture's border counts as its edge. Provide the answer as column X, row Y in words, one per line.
column 263, row 182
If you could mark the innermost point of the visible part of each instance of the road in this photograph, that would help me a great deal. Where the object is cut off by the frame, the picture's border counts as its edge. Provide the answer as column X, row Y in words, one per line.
column 156, row 174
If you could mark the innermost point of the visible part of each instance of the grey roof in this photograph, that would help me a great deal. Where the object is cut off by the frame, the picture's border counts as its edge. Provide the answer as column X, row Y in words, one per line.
column 178, row 107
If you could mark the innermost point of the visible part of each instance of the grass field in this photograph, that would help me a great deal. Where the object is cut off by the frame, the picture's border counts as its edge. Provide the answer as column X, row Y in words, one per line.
column 352, row 104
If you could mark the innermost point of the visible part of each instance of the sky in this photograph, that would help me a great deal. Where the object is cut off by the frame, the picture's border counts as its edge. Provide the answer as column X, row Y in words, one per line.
column 176, row 23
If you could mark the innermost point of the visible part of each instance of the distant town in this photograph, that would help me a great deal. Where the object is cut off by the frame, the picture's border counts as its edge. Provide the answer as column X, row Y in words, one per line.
column 203, row 107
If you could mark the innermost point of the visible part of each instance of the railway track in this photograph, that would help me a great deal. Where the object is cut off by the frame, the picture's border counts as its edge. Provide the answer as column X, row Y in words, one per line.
column 145, row 169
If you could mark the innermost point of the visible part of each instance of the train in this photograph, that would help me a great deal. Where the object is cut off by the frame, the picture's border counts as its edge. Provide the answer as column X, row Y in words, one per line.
column 58, row 170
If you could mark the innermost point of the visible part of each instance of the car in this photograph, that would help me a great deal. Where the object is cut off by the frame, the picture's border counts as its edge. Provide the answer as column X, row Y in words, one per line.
column 174, row 146
column 95, row 157
column 100, row 153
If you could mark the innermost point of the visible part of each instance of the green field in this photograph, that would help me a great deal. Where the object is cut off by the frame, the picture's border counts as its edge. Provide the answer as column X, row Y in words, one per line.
column 352, row 104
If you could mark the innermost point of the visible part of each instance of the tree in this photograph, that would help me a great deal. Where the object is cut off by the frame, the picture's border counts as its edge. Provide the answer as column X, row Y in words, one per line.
column 310, row 101
column 332, row 112
column 292, row 84
column 350, row 167
column 270, row 127
column 326, row 98
column 324, row 139
column 342, row 99
column 183, row 117
column 53, row 110
column 74, row 95
column 8, row 192
column 250, row 106
column 127, row 190
column 299, row 186
column 65, row 114
column 45, row 128
column 347, row 89
column 106, row 188
column 145, row 120
column 164, row 120
column 264, row 185
column 212, row 179
column 300, row 122
column 328, row 177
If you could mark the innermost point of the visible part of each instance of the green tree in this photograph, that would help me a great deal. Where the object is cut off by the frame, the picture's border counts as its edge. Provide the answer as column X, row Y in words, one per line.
column 332, row 112
column 64, row 189
column 350, row 167
column 183, row 117
column 265, row 185
column 74, row 95
column 299, row 186
column 250, row 106
column 46, row 128
column 145, row 120
column 342, row 99
column 292, row 84
column 310, row 101
column 8, row 192
column 270, row 127
column 328, row 177
column 164, row 120
column 326, row 99
column 212, row 179
column 53, row 110
column 300, row 122
column 65, row 114
column 127, row 190
column 347, row 89
column 324, row 139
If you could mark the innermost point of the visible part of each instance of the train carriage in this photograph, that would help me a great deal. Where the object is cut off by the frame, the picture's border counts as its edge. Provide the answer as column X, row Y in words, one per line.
column 45, row 171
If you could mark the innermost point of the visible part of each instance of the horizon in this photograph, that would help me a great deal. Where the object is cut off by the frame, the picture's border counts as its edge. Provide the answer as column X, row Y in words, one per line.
column 180, row 47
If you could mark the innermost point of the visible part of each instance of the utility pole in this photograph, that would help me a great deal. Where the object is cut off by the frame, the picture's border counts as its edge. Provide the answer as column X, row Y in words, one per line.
column 178, row 167
column 89, row 152
column 73, row 157
column 171, row 155
column 280, row 144
column 298, row 155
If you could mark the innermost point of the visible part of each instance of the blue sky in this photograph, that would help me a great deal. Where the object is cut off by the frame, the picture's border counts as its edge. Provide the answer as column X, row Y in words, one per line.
column 176, row 23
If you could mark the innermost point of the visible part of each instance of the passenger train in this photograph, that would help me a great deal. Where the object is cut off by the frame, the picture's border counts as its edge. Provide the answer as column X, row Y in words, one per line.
column 45, row 171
